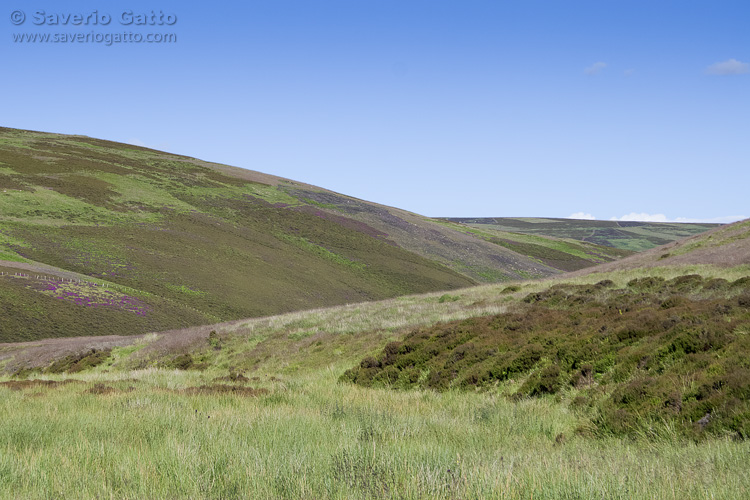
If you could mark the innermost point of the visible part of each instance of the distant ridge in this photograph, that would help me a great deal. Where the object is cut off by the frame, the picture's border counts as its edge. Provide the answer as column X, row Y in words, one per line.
column 723, row 246
column 626, row 235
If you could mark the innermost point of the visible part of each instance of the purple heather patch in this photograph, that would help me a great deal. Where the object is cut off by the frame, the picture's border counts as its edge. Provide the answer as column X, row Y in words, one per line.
column 91, row 295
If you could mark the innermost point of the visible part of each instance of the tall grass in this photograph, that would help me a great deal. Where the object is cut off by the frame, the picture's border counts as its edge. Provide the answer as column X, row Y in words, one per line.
column 140, row 434
column 310, row 437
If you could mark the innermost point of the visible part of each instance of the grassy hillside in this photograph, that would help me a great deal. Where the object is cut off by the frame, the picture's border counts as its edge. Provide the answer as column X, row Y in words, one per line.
column 563, row 254
column 624, row 235
column 724, row 246
column 630, row 383
column 628, row 380
column 672, row 335
column 192, row 243
column 255, row 408
column 101, row 238
column 653, row 351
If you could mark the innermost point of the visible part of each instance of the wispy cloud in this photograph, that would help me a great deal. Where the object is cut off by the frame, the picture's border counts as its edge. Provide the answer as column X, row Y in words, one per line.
column 595, row 68
column 628, row 72
column 644, row 217
column 730, row 67
column 581, row 215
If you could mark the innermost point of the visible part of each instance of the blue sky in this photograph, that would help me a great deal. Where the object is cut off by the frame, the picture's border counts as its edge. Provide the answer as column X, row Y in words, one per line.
column 611, row 109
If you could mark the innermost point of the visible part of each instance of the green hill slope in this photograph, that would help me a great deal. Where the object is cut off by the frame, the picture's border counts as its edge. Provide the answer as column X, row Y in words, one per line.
column 640, row 352
column 579, row 386
column 628, row 350
column 101, row 238
column 188, row 243
column 625, row 235
column 723, row 246
column 565, row 254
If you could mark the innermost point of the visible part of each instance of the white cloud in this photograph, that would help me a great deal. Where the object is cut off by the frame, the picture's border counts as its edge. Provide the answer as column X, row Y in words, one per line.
column 730, row 67
column 644, row 217
column 595, row 68
column 581, row 215
column 628, row 72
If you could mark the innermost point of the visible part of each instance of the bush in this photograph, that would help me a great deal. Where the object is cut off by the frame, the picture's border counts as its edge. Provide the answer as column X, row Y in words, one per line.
column 79, row 362
column 370, row 362
column 547, row 381
column 448, row 298
column 182, row 362
column 629, row 355
column 214, row 341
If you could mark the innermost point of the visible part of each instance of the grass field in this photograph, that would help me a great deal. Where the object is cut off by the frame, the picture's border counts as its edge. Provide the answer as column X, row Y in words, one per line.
column 150, row 434
column 261, row 413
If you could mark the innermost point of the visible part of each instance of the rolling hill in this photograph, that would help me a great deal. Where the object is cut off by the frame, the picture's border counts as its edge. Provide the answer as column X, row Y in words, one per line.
column 507, row 389
column 628, row 349
column 102, row 238
column 625, row 235
column 723, row 246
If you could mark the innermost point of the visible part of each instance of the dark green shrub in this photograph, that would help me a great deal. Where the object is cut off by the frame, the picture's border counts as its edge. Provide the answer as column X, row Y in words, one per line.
column 532, row 297
column 79, row 362
column 410, row 377
column 438, row 380
column 182, row 362
column 546, row 381
column 686, row 343
column 369, row 362
column 390, row 352
column 214, row 341
column 686, row 283
column 521, row 363
column 716, row 284
column 475, row 377
column 673, row 301
column 628, row 355
column 448, row 298
column 584, row 377
column 388, row 376
column 648, row 284
column 742, row 283
column 630, row 334
column 634, row 392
